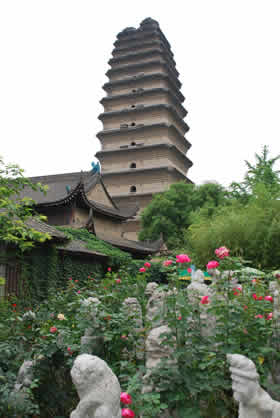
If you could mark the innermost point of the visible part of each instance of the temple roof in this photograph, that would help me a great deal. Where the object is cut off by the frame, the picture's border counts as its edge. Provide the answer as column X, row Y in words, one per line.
column 139, row 247
column 64, row 188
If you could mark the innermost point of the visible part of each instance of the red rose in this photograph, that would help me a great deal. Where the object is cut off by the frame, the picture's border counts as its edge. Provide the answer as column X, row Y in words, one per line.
column 126, row 398
column 127, row 413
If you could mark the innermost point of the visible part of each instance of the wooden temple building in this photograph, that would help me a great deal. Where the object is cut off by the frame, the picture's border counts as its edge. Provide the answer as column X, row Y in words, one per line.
column 143, row 143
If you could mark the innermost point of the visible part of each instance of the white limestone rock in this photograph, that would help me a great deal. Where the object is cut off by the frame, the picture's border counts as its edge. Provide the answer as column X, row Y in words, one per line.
column 98, row 388
column 155, row 352
column 254, row 402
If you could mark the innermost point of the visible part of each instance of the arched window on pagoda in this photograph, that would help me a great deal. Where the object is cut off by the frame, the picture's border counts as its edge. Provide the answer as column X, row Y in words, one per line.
column 132, row 189
column 132, row 165
column 133, row 144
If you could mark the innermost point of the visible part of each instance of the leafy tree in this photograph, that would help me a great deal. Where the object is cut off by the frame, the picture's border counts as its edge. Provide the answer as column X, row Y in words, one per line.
column 170, row 213
column 262, row 172
column 16, row 210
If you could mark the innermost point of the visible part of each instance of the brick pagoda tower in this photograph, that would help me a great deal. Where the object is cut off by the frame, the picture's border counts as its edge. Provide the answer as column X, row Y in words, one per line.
column 143, row 144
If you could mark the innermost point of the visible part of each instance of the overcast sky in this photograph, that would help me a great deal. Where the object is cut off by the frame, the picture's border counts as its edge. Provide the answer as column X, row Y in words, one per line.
column 54, row 56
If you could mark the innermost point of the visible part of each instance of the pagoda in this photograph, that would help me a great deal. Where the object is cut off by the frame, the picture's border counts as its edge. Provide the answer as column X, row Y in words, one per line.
column 143, row 138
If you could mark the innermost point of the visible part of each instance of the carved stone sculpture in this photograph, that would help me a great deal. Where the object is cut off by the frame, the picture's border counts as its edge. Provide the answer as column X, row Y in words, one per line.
column 150, row 288
column 197, row 288
column 133, row 312
column 98, row 388
column 91, row 342
column 156, row 308
column 254, row 402
column 25, row 375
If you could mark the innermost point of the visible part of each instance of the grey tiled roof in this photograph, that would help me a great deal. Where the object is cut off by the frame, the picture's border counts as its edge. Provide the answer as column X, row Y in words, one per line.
column 76, row 246
column 143, row 247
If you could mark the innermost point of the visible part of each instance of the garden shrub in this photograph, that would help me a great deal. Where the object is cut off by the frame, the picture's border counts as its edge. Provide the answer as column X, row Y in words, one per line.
column 197, row 384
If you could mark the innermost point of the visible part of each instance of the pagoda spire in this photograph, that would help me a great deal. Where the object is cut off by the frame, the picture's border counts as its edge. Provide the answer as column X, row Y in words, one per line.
column 143, row 137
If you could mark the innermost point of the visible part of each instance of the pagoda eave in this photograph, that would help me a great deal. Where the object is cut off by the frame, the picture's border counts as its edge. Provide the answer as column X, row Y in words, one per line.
column 146, row 92
column 142, row 78
column 168, row 168
column 143, row 66
column 109, row 132
column 135, row 110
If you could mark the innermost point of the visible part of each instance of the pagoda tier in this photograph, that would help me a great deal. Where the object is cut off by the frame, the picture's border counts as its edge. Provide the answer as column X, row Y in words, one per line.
column 143, row 143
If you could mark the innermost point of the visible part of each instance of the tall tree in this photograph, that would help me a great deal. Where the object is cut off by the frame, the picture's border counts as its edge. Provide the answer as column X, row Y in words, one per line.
column 262, row 172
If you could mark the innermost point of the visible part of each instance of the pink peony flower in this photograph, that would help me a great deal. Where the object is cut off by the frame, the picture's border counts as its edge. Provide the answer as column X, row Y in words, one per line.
column 147, row 264
column 269, row 316
column 204, row 300
column 118, row 281
column 127, row 413
column 258, row 316
column 222, row 252
column 212, row 265
column 53, row 330
column 142, row 269
column 167, row 263
column 126, row 398
column 269, row 298
column 182, row 258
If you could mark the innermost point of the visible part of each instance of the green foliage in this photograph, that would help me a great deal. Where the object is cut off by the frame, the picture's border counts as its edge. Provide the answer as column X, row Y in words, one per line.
column 116, row 256
column 170, row 212
column 15, row 210
column 251, row 231
column 262, row 172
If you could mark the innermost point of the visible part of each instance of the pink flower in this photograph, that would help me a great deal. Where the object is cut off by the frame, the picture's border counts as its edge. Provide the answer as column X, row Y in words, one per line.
column 254, row 281
column 142, row 269
column 70, row 278
column 260, row 298
column 147, row 264
column 78, row 291
column 269, row 316
column 212, row 265
column 118, row 280
column 76, row 281
column 269, row 298
column 127, row 413
column 109, row 269
column 167, row 263
column 69, row 351
column 53, row 330
column 204, row 300
column 222, row 252
column 258, row 316
column 179, row 318
column 189, row 270
column 245, row 307
column 255, row 296
column 126, row 398
column 123, row 337
column 182, row 258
